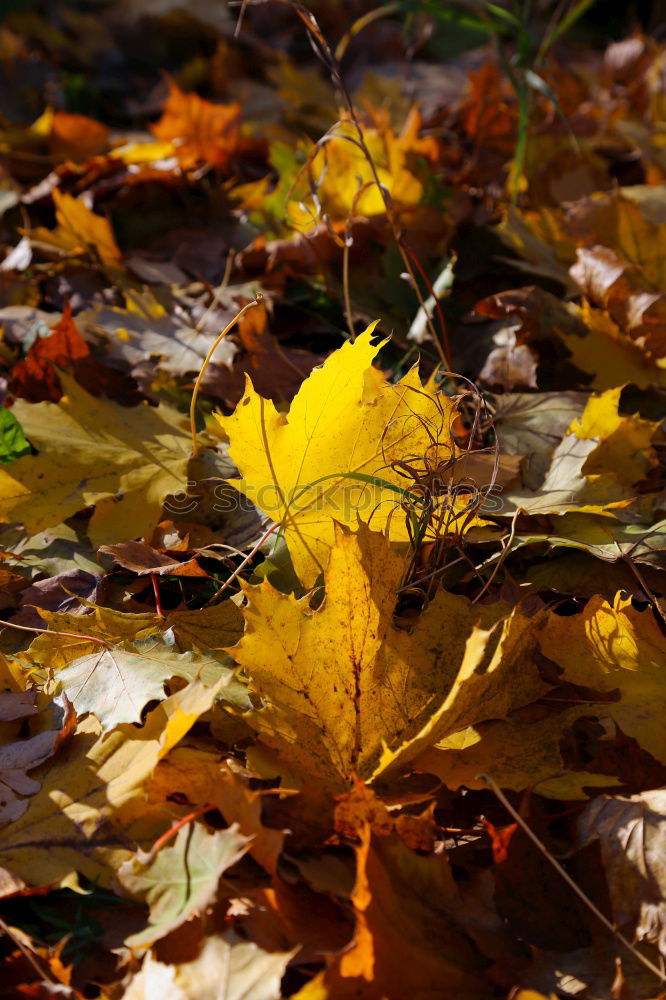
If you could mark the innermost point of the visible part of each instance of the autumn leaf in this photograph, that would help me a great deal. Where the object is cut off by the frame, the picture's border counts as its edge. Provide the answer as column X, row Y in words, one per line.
column 346, row 429
column 22, row 755
column 95, row 452
column 347, row 690
column 401, row 900
column 200, row 131
column 599, row 462
column 630, row 831
column 181, row 879
column 118, row 682
column 91, row 805
column 249, row 973
column 615, row 648
column 516, row 753
column 80, row 231
column 77, row 137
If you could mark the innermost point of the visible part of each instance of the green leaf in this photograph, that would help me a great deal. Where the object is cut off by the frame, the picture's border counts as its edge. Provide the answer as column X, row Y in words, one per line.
column 13, row 443
column 116, row 683
column 181, row 880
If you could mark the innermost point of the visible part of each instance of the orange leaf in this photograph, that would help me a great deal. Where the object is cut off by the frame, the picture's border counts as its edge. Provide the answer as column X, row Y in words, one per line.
column 202, row 132
column 77, row 137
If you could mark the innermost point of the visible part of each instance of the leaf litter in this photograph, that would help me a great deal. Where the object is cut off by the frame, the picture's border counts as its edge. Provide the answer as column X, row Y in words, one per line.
column 332, row 660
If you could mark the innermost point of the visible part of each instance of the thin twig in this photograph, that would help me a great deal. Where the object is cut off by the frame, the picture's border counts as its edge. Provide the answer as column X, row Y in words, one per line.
column 216, row 293
column 242, row 566
column 27, row 954
column 567, row 878
column 195, row 392
column 323, row 50
column 48, row 631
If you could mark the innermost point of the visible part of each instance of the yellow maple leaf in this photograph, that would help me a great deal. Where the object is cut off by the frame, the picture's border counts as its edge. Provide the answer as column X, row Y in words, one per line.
column 125, row 460
column 616, row 648
column 79, row 231
column 347, row 690
column 346, row 425
column 345, row 182
column 516, row 754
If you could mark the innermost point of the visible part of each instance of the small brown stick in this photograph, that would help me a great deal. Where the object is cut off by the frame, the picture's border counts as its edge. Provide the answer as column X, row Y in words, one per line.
column 27, row 954
column 567, row 878
column 242, row 566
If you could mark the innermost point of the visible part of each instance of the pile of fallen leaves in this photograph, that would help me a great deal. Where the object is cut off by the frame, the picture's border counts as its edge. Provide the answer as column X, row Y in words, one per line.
column 334, row 664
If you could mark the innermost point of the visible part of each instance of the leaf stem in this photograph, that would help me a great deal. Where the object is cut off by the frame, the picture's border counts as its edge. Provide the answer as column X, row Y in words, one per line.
column 156, row 591
column 173, row 830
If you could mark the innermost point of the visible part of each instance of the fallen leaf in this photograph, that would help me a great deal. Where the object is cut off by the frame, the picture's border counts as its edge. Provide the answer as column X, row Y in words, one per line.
column 227, row 968
column 348, row 692
column 516, row 754
column 90, row 808
column 181, row 880
column 92, row 451
column 615, row 648
column 117, row 683
column 631, row 833
column 21, row 756
column 202, row 133
column 142, row 559
column 80, row 231
column 532, row 425
column 402, row 900
column 346, row 421
column 77, row 137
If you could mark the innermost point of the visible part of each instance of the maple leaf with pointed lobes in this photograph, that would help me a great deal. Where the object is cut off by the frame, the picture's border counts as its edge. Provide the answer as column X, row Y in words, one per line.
column 80, row 231
column 349, row 693
column 124, row 460
column 202, row 133
column 334, row 455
